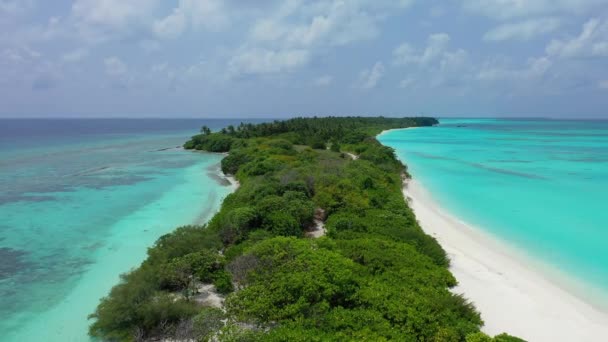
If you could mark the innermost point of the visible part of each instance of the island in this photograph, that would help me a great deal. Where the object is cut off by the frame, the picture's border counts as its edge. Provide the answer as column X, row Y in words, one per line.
column 316, row 244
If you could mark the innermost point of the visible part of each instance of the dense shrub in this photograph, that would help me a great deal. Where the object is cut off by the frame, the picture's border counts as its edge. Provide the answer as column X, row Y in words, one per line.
column 376, row 276
column 211, row 143
column 207, row 323
column 232, row 162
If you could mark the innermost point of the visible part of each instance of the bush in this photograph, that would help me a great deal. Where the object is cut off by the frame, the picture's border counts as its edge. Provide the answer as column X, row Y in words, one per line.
column 179, row 273
column 317, row 144
column 281, row 223
column 293, row 280
column 375, row 277
column 207, row 323
column 215, row 142
column 232, row 162
column 223, row 282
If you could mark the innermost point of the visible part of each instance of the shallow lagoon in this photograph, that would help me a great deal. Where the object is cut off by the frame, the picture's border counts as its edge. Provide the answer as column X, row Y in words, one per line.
column 81, row 206
column 539, row 185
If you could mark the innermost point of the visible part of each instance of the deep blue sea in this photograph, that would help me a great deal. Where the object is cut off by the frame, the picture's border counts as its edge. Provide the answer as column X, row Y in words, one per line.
column 539, row 185
column 80, row 202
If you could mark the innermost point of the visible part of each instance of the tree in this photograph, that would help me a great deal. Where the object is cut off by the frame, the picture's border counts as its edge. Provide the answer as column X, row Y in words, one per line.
column 335, row 146
column 207, row 323
column 205, row 130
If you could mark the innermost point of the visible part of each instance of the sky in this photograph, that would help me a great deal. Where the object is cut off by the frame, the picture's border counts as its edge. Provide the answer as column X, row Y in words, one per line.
column 280, row 58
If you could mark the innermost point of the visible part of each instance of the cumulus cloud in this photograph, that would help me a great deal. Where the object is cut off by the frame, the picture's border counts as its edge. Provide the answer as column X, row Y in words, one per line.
column 406, row 82
column 437, row 44
column 294, row 31
column 198, row 14
column 591, row 42
column 264, row 61
column 323, row 81
column 454, row 61
column 75, row 55
column 15, row 7
column 508, row 9
column 523, row 30
column 149, row 45
column 112, row 13
column 435, row 64
column 171, row 26
column 369, row 78
column 97, row 20
column 535, row 68
column 115, row 67
column 329, row 23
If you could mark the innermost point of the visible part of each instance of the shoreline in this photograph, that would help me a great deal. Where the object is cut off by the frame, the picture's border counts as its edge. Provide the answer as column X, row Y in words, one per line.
column 511, row 295
column 124, row 249
column 513, row 291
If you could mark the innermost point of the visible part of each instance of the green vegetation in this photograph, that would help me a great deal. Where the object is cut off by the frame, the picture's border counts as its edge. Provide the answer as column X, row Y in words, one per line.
column 375, row 276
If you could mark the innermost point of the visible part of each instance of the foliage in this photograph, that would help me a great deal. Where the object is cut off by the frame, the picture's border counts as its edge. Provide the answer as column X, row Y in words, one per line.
column 481, row 337
column 207, row 323
column 210, row 142
column 376, row 276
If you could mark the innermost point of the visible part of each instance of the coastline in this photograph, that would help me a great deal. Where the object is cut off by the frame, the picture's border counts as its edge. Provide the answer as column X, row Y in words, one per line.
column 124, row 249
column 510, row 294
column 514, row 292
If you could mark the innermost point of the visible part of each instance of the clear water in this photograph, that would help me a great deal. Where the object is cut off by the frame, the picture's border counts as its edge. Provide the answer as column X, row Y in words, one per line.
column 80, row 202
column 540, row 185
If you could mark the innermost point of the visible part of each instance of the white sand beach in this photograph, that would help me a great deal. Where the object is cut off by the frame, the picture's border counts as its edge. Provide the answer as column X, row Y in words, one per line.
column 509, row 290
column 233, row 182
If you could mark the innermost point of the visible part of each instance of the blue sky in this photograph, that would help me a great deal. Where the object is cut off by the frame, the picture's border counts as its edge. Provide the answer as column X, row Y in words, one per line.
column 267, row 58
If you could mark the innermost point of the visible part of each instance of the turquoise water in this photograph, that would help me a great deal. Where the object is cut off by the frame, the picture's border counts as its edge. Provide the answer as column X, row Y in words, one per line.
column 539, row 185
column 81, row 202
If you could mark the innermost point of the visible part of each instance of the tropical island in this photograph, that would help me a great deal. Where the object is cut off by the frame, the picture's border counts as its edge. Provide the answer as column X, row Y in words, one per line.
column 316, row 244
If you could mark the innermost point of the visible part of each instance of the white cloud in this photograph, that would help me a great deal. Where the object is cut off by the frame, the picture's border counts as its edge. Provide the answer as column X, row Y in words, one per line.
column 435, row 64
column 149, row 46
column 161, row 67
column 592, row 42
column 112, row 13
column 437, row 11
column 454, row 61
column 323, row 81
column 329, row 23
column 523, row 30
column 20, row 54
column 436, row 46
column 207, row 14
column 14, row 7
column 406, row 83
column 369, row 78
column 326, row 23
column 115, row 67
column 603, row 84
column 405, row 54
column 535, row 68
column 263, row 61
column 295, row 30
column 507, row 9
column 75, row 55
column 197, row 14
column 171, row 26
column 100, row 20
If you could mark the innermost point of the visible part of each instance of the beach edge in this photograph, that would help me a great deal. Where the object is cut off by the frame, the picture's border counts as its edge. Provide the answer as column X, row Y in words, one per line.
column 510, row 293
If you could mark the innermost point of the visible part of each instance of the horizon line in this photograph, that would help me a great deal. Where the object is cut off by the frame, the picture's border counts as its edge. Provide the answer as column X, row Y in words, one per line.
column 294, row 116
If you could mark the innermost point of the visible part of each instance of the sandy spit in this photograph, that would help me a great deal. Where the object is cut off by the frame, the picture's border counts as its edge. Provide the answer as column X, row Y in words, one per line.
column 511, row 291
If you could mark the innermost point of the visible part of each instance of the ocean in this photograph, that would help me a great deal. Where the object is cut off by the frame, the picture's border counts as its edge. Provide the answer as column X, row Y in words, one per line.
column 81, row 201
column 537, row 185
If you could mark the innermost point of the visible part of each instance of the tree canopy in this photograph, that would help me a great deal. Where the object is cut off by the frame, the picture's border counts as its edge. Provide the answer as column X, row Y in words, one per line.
column 375, row 276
